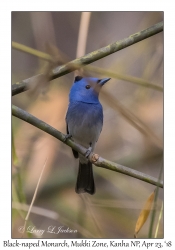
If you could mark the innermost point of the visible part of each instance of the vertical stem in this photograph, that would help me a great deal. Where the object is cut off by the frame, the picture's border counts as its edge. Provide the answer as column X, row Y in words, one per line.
column 83, row 33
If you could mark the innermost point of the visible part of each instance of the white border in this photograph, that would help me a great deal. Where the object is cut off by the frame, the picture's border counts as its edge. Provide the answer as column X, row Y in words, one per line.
column 5, row 100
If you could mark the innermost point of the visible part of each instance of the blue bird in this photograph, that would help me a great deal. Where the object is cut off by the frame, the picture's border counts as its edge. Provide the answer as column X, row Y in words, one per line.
column 84, row 121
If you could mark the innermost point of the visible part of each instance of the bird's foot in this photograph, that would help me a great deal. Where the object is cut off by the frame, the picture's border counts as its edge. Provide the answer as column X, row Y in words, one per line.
column 89, row 150
column 68, row 136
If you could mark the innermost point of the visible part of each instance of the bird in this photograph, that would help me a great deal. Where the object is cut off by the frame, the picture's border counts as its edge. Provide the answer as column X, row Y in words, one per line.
column 84, row 121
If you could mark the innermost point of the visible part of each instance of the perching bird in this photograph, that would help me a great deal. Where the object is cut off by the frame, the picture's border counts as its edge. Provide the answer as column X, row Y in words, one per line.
column 84, row 120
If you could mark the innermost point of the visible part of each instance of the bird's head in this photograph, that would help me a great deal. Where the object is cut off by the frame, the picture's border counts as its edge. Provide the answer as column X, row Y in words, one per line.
column 86, row 89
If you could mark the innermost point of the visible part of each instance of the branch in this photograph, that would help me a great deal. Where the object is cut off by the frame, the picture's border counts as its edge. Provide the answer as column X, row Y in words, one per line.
column 93, row 56
column 31, row 51
column 128, row 78
column 94, row 158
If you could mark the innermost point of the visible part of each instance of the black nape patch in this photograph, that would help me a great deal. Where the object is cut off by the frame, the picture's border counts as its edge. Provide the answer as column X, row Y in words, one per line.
column 78, row 78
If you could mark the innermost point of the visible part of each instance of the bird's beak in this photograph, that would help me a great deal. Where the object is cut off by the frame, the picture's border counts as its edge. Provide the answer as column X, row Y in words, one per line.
column 103, row 81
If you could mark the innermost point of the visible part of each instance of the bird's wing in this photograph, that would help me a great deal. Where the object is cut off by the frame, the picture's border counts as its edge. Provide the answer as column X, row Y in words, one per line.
column 75, row 153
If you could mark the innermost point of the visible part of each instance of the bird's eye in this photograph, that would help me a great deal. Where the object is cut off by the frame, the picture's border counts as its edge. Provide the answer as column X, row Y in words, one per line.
column 88, row 86
column 99, row 81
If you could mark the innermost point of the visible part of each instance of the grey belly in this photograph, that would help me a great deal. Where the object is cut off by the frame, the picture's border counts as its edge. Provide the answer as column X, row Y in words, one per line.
column 84, row 134
column 85, row 123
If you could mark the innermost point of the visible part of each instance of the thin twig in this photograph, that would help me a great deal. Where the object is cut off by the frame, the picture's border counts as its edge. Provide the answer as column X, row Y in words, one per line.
column 153, row 214
column 158, row 224
column 128, row 78
column 34, row 196
column 36, row 210
column 94, row 158
column 83, row 32
column 82, row 37
column 136, row 80
column 93, row 56
column 132, row 119
column 31, row 51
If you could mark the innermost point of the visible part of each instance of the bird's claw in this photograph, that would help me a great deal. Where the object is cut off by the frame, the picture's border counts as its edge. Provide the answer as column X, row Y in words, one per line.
column 68, row 136
column 89, row 150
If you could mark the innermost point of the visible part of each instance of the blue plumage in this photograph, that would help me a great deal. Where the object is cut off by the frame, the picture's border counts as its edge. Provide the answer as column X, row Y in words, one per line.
column 84, row 120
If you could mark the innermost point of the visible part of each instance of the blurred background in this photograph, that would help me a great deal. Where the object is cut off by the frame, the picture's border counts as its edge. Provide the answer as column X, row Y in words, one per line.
column 132, row 133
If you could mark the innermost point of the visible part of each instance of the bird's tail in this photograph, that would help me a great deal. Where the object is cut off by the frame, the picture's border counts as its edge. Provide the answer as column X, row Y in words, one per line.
column 85, row 179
